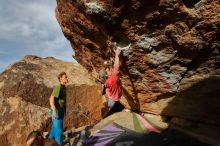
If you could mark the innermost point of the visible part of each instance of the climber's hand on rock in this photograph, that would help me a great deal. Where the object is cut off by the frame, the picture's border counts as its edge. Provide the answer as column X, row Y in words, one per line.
column 117, row 51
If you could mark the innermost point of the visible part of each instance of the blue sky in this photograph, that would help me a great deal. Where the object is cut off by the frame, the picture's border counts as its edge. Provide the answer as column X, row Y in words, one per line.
column 29, row 27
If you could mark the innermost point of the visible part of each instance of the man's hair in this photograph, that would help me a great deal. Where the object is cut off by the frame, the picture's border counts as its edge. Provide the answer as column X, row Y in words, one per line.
column 33, row 134
column 60, row 75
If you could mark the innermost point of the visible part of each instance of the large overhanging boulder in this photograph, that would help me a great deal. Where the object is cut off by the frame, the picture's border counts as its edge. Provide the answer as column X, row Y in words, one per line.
column 172, row 65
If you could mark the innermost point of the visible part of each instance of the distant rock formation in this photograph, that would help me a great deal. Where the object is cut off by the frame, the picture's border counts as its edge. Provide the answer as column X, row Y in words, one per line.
column 173, row 65
column 25, row 88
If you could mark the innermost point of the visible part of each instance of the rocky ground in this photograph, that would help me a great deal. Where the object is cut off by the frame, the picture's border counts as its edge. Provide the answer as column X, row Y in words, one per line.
column 160, row 132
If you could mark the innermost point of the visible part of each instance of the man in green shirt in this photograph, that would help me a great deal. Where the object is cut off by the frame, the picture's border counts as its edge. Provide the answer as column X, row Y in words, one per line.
column 58, row 108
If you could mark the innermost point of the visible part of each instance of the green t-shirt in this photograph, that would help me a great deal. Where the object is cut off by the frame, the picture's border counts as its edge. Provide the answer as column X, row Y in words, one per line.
column 59, row 92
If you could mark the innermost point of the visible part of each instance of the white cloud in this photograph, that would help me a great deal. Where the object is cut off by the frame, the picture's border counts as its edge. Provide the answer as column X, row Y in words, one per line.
column 30, row 27
column 25, row 19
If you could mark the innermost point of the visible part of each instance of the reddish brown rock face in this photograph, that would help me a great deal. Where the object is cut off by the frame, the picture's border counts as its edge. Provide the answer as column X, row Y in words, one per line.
column 172, row 66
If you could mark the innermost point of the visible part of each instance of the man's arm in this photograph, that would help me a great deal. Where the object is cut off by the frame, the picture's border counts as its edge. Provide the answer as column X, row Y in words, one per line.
column 117, row 53
column 52, row 105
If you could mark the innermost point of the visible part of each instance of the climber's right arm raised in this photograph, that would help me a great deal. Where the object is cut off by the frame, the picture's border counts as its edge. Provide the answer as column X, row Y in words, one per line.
column 117, row 53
